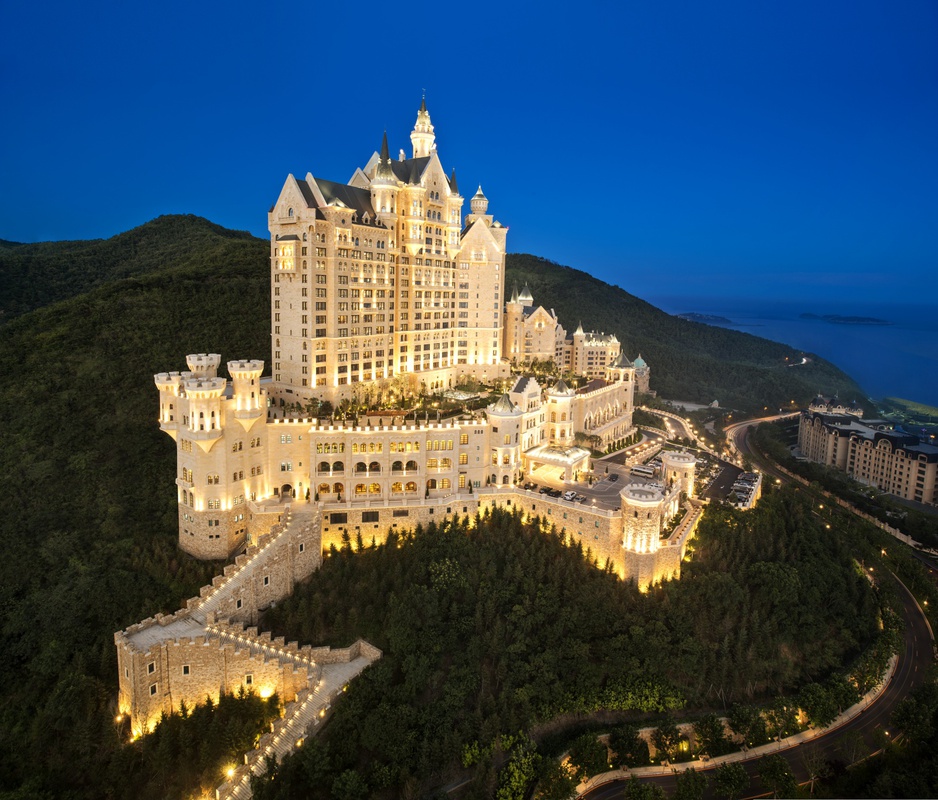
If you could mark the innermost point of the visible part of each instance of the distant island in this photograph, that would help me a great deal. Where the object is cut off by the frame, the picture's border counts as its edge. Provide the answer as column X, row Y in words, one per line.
column 837, row 319
column 707, row 319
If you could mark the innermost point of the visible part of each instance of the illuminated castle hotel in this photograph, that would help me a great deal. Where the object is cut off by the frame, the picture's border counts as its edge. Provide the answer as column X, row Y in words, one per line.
column 381, row 285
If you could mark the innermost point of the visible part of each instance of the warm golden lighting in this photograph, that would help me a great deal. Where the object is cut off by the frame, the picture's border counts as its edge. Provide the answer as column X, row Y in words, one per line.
column 230, row 772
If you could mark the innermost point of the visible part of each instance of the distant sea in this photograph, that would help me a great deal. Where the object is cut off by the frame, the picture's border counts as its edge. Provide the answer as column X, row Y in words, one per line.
column 898, row 360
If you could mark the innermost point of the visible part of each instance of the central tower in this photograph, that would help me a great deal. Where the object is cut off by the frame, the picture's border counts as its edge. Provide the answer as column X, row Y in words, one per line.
column 378, row 285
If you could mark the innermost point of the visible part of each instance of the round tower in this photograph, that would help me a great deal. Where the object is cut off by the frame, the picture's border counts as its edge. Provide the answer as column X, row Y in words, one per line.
column 169, row 385
column 479, row 203
column 204, row 396
column 422, row 136
column 505, row 421
column 560, row 414
column 249, row 400
column 679, row 468
column 641, row 518
column 384, row 187
column 203, row 365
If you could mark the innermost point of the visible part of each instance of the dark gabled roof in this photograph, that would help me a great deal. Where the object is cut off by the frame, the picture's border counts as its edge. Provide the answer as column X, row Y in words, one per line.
column 410, row 170
column 356, row 199
column 292, row 237
column 521, row 385
column 307, row 193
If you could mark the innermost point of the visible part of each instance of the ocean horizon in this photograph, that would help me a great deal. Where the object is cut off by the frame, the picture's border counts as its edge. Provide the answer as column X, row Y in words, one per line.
column 895, row 360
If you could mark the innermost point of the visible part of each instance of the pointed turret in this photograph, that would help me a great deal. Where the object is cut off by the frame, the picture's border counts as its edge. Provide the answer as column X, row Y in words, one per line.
column 479, row 203
column 514, row 294
column 526, row 297
column 452, row 182
column 579, row 330
column 384, row 173
column 422, row 136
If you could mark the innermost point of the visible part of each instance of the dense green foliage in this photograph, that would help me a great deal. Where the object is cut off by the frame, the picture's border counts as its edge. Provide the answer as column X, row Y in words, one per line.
column 688, row 360
column 89, row 525
column 36, row 275
column 190, row 750
column 489, row 627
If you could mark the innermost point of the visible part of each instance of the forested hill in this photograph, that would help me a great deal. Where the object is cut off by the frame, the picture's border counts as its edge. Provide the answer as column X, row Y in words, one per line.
column 35, row 275
column 688, row 360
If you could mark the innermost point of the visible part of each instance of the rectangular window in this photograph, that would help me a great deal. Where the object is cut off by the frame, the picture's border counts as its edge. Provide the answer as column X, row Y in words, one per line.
column 185, row 669
column 370, row 516
column 338, row 518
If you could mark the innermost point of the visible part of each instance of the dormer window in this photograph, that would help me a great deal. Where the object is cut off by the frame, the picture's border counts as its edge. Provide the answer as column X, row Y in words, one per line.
column 289, row 212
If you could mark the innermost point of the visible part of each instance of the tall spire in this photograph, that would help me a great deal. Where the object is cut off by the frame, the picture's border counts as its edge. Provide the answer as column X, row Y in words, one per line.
column 384, row 171
column 452, row 182
column 422, row 136
column 385, row 155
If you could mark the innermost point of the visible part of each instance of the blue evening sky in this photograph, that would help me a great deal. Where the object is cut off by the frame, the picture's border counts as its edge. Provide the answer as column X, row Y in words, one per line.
column 719, row 148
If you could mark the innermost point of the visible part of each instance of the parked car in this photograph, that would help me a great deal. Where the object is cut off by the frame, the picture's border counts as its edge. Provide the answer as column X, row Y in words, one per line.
column 545, row 490
column 569, row 495
column 555, row 493
column 614, row 477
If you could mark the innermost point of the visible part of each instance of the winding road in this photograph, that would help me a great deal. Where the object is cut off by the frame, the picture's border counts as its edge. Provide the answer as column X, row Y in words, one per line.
column 911, row 668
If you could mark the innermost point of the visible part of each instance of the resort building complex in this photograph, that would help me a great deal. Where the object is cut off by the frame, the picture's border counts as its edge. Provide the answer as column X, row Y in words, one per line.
column 380, row 287
column 870, row 451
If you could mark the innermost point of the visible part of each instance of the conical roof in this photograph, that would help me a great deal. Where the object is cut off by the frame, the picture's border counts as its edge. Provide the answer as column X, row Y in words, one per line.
column 452, row 182
column 526, row 297
column 503, row 405
column 560, row 387
column 622, row 361
column 384, row 171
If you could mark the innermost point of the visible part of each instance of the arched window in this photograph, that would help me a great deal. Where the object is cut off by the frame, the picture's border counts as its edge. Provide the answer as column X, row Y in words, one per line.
column 360, row 488
column 432, row 463
column 338, row 488
column 324, row 488
column 289, row 212
column 360, row 468
column 375, row 467
column 445, row 483
column 323, row 466
column 397, row 487
column 446, row 463
column 505, row 479
column 410, row 487
column 411, row 465
column 563, row 417
column 338, row 466
column 397, row 466
column 375, row 488
column 431, row 484
column 553, row 416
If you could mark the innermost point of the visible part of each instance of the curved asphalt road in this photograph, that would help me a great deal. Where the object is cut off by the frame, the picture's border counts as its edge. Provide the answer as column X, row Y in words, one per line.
column 913, row 662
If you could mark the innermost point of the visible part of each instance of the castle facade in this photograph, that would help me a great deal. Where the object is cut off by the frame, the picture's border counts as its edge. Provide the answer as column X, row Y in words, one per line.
column 378, row 285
